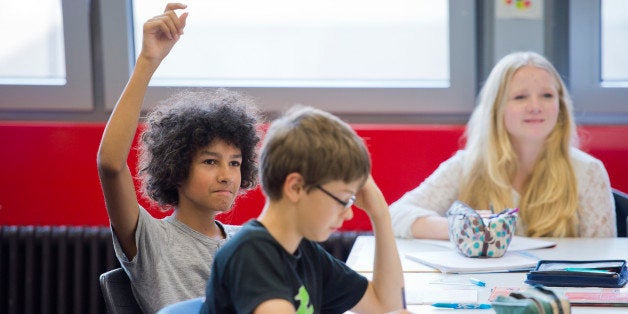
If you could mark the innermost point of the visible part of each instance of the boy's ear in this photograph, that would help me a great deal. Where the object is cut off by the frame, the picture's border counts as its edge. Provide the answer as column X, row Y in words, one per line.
column 293, row 186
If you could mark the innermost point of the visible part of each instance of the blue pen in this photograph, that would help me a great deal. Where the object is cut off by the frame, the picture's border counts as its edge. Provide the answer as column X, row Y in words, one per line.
column 479, row 306
column 477, row 282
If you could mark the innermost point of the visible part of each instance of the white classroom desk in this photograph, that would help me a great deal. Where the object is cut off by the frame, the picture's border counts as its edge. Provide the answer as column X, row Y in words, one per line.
column 420, row 278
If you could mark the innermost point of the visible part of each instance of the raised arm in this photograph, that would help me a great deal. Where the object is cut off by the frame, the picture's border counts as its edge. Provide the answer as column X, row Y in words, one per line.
column 160, row 35
column 384, row 291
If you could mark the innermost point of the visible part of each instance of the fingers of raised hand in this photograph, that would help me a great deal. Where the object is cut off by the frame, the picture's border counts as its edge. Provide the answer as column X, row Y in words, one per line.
column 178, row 22
column 169, row 24
column 174, row 6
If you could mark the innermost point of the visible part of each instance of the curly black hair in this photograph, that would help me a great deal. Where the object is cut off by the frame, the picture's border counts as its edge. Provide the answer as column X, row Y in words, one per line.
column 185, row 123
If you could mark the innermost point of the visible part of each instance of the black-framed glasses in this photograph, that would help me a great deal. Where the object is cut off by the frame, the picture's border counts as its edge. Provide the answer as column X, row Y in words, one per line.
column 346, row 204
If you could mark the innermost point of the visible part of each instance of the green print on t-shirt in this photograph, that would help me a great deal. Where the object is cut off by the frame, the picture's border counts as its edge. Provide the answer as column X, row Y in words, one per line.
column 304, row 305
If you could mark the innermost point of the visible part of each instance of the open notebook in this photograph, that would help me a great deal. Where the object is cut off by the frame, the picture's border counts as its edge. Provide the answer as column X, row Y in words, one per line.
column 362, row 253
column 453, row 262
column 518, row 243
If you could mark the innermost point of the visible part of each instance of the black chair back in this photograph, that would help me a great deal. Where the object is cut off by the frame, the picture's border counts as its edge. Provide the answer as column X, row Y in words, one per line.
column 621, row 210
column 116, row 290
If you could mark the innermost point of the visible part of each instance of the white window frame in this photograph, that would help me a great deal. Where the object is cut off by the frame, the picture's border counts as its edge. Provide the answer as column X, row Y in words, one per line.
column 456, row 99
column 77, row 93
column 594, row 102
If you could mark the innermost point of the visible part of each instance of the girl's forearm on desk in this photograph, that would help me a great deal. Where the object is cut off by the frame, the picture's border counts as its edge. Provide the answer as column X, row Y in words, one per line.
column 431, row 227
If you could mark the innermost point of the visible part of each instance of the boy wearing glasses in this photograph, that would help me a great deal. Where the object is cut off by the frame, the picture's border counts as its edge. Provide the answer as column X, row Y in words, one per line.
column 313, row 167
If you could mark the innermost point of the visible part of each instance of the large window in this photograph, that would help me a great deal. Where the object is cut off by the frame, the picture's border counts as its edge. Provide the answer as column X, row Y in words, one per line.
column 324, row 43
column 405, row 60
column 45, row 59
column 399, row 56
column 598, row 64
column 35, row 54
column 615, row 43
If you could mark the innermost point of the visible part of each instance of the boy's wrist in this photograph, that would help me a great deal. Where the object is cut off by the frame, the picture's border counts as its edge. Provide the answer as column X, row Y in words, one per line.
column 147, row 62
column 381, row 216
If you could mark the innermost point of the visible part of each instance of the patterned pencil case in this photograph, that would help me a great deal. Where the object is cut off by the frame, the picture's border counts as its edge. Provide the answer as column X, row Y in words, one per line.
column 475, row 236
column 593, row 273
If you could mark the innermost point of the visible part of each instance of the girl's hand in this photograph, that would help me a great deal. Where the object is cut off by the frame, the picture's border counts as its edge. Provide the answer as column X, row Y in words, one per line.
column 162, row 32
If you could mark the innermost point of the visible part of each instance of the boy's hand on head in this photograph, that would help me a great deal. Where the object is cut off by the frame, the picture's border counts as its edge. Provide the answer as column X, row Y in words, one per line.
column 162, row 32
column 370, row 199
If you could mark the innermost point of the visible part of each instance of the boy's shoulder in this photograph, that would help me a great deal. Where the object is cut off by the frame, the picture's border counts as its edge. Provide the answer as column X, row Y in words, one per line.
column 254, row 237
column 252, row 228
column 249, row 234
column 251, row 243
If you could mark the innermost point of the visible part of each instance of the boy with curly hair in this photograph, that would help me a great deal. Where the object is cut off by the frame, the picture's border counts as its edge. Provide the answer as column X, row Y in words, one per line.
column 197, row 154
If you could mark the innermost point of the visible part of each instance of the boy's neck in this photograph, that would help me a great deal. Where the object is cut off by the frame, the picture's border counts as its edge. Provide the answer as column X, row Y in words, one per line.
column 279, row 220
column 200, row 222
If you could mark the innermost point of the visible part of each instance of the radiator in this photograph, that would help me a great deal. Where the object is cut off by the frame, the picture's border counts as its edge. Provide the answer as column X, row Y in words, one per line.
column 53, row 269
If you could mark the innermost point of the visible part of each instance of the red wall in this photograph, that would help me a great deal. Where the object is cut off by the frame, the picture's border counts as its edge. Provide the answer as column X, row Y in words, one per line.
column 48, row 171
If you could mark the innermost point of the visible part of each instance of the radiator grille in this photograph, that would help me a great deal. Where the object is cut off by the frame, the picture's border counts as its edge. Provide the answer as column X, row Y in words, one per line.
column 53, row 269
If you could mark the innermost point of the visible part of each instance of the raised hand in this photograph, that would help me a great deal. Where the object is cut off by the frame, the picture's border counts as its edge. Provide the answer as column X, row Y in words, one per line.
column 162, row 32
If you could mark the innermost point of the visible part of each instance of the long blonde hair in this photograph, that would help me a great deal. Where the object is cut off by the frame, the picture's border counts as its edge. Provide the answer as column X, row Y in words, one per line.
column 549, row 198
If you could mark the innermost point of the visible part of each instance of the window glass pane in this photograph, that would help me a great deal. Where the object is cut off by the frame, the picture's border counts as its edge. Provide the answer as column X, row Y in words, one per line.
column 323, row 43
column 32, row 43
column 615, row 41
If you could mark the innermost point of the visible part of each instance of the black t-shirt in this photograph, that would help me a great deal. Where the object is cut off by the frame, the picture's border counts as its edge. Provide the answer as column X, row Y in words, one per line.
column 253, row 267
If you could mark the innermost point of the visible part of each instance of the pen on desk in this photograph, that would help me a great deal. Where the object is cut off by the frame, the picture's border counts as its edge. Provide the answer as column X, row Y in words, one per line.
column 403, row 297
column 477, row 282
column 588, row 270
column 479, row 306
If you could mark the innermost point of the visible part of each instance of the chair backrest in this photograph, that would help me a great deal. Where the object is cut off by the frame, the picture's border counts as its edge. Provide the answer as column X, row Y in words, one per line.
column 184, row 307
column 116, row 290
column 621, row 210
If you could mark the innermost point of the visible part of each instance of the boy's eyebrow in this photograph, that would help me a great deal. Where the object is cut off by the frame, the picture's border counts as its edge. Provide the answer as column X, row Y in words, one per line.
column 215, row 154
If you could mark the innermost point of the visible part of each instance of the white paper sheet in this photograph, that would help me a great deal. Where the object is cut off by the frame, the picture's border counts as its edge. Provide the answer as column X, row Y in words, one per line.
column 453, row 262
